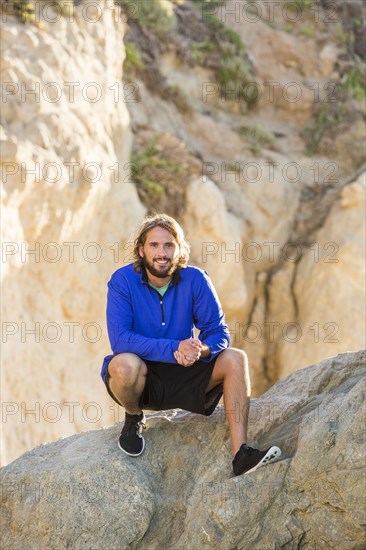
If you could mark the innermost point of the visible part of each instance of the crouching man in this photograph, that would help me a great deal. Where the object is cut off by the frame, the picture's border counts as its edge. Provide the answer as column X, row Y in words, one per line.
column 152, row 307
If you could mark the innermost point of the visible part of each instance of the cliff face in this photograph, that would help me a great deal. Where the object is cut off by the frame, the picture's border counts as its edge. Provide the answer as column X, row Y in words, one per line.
column 274, row 211
column 82, row 492
column 75, row 211
column 236, row 175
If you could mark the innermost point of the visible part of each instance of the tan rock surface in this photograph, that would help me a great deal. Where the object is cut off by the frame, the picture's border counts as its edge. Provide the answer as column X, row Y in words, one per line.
column 82, row 492
column 59, row 292
column 54, row 372
column 329, row 274
column 215, row 236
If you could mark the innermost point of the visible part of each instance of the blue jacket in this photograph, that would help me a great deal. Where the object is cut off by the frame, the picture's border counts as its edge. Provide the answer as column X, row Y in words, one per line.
column 140, row 321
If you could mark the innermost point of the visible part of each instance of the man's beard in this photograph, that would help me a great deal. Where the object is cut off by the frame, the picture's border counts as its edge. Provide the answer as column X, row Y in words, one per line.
column 162, row 271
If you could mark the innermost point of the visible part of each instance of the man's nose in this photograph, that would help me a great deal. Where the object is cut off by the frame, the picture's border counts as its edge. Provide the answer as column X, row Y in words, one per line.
column 161, row 250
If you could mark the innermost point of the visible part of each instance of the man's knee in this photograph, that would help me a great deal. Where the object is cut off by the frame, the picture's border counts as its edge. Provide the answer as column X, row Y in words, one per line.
column 232, row 362
column 236, row 358
column 236, row 364
column 126, row 368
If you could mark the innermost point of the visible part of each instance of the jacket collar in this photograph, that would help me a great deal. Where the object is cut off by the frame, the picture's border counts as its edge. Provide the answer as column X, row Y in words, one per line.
column 175, row 279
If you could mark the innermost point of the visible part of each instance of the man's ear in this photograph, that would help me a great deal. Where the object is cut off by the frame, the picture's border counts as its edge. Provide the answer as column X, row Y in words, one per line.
column 141, row 251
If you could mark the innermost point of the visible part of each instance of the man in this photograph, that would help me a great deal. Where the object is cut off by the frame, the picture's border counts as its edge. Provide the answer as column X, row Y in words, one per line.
column 157, row 364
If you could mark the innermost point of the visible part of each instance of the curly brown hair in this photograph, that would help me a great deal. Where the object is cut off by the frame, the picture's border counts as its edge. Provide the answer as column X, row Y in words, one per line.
column 168, row 223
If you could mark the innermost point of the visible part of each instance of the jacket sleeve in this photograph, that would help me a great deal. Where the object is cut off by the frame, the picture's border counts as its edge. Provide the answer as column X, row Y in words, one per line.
column 122, row 337
column 209, row 318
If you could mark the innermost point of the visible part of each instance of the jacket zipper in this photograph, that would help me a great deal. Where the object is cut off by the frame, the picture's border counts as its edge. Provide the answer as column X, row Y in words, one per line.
column 161, row 307
column 162, row 311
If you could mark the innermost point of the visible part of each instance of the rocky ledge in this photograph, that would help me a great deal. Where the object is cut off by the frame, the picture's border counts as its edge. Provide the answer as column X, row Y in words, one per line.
column 83, row 493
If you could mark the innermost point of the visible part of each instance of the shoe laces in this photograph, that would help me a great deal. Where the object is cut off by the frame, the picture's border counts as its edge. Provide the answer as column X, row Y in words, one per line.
column 141, row 426
column 251, row 450
column 132, row 424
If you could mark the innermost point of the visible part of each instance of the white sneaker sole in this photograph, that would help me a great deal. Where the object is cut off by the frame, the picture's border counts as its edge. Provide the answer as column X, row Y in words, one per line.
column 272, row 455
column 130, row 454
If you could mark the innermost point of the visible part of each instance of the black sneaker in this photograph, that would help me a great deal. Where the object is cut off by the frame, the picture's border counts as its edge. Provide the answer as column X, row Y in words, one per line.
column 248, row 459
column 131, row 441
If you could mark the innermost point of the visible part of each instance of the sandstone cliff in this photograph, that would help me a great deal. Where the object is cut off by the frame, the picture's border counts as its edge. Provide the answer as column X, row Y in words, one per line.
column 82, row 492
column 75, row 211
column 270, row 231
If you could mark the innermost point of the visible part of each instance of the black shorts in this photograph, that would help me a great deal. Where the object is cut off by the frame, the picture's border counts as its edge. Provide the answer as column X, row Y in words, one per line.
column 172, row 386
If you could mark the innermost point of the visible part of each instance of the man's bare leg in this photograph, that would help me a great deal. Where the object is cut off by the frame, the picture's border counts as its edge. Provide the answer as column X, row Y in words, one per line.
column 128, row 375
column 231, row 369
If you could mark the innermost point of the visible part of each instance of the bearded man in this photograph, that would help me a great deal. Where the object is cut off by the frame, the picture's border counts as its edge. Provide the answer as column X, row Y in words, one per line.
column 153, row 306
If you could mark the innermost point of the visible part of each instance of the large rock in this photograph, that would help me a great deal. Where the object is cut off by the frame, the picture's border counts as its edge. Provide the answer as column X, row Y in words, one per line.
column 328, row 289
column 53, row 310
column 76, row 222
column 215, row 236
column 82, row 492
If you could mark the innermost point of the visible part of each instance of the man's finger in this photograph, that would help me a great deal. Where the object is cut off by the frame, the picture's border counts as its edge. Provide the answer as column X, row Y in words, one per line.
column 195, row 343
column 191, row 357
column 187, row 361
column 178, row 357
column 181, row 359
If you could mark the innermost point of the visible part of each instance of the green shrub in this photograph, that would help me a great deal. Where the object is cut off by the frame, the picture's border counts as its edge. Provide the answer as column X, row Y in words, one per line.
column 257, row 134
column 151, row 14
column 200, row 50
column 223, row 33
column 341, row 35
column 133, row 58
column 151, row 172
column 300, row 5
column 216, row 2
column 328, row 117
column 233, row 71
column 24, row 10
column 308, row 30
column 257, row 137
column 146, row 187
column 353, row 83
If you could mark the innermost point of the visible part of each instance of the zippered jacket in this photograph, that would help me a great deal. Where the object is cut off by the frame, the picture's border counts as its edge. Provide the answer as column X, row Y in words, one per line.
column 141, row 321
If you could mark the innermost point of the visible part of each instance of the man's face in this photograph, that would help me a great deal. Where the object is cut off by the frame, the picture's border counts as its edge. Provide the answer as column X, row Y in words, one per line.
column 160, row 252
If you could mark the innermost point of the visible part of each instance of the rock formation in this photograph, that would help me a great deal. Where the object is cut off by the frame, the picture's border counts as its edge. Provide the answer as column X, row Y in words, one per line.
column 237, row 177
column 82, row 492
column 76, row 212
column 262, row 222
column 335, row 267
